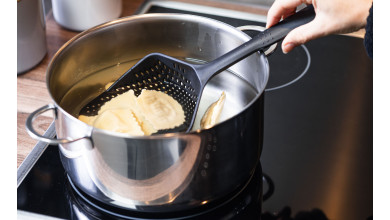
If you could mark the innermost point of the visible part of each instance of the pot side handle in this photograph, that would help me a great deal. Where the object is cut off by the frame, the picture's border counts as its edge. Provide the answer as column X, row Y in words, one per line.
column 34, row 134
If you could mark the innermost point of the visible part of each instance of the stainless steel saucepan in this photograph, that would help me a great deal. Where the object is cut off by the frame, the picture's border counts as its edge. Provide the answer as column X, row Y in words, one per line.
column 171, row 172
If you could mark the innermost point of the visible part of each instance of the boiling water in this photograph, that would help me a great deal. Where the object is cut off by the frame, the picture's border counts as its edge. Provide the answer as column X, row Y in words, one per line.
column 238, row 91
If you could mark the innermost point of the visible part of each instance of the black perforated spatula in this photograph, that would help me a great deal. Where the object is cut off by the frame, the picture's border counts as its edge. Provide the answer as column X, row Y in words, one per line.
column 184, row 81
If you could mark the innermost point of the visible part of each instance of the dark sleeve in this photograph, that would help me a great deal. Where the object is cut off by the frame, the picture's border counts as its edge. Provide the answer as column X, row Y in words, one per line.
column 368, row 36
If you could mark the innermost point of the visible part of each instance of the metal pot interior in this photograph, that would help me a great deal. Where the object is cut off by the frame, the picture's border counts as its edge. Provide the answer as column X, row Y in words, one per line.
column 83, row 66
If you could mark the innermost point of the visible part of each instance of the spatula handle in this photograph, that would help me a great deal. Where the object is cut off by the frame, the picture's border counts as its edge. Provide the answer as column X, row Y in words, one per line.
column 280, row 30
column 262, row 40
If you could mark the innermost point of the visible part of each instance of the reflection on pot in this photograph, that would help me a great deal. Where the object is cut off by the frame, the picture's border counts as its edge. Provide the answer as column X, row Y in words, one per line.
column 245, row 205
column 155, row 173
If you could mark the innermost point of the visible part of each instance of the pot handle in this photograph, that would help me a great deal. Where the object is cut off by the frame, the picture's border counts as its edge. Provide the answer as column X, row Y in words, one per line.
column 271, row 48
column 34, row 134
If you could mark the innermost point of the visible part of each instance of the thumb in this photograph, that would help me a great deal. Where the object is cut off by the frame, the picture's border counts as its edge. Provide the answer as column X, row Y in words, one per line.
column 303, row 34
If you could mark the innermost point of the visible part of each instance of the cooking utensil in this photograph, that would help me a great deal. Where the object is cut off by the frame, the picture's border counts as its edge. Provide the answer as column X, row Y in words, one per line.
column 165, row 172
column 184, row 81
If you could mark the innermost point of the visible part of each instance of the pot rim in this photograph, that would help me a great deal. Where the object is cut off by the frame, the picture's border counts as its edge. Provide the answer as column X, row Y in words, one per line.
column 85, row 33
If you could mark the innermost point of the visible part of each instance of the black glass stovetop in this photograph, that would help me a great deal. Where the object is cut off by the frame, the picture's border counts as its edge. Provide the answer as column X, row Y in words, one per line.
column 317, row 146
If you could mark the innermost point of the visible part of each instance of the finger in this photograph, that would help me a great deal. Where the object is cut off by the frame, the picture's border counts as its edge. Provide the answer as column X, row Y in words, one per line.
column 281, row 9
column 288, row 14
column 300, row 35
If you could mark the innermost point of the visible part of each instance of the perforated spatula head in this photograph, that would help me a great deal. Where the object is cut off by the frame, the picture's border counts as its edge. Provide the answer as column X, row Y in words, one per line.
column 184, row 81
column 161, row 73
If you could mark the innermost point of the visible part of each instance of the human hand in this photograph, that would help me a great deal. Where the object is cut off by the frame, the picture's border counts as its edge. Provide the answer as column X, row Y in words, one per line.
column 332, row 17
